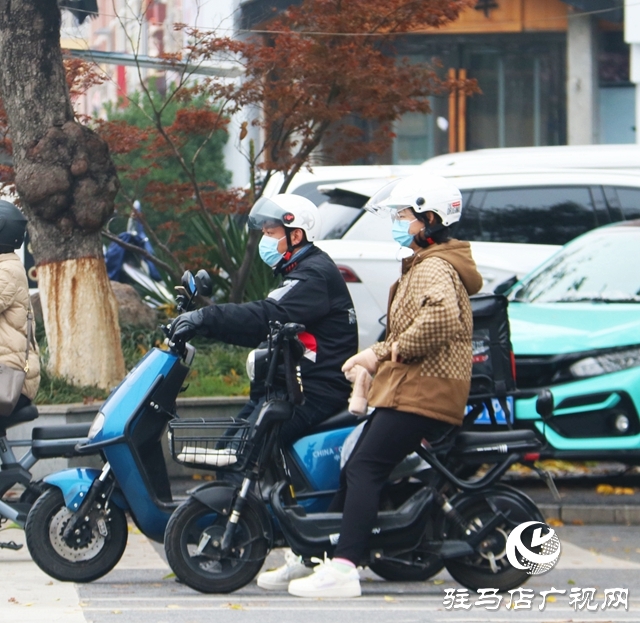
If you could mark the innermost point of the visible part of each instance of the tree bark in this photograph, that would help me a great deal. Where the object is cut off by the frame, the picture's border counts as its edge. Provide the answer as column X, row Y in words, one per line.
column 67, row 183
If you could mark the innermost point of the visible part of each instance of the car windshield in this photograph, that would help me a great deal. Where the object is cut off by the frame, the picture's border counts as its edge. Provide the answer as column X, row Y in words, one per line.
column 601, row 267
column 337, row 219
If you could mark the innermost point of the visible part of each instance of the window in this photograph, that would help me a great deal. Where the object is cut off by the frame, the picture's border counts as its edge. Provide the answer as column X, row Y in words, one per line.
column 629, row 199
column 552, row 215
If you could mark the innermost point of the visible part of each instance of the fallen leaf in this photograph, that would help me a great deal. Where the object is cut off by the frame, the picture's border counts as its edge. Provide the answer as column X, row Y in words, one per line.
column 169, row 576
column 116, row 612
column 551, row 599
column 84, row 604
column 173, row 606
column 49, row 584
column 196, row 477
column 571, row 582
column 577, row 522
column 387, row 598
column 438, row 582
column 29, row 604
column 13, row 600
column 609, row 490
column 554, row 521
column 234, row 607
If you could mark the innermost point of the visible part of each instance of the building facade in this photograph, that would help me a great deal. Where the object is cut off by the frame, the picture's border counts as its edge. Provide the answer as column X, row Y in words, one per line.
column 550, row 72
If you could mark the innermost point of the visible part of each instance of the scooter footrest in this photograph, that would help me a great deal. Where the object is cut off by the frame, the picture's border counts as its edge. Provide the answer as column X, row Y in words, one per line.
column 322, row 526
column 10, row 545
column 448, row 549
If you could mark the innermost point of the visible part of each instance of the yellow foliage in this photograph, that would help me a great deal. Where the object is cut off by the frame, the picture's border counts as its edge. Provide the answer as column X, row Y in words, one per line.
column 554, row 522
column 610, row 490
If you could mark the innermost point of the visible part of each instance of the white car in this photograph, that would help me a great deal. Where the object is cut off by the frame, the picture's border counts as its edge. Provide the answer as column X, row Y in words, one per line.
column 514, row 220
column 609, row 157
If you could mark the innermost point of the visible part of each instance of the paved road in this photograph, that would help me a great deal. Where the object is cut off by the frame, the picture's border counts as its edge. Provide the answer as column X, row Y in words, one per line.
column 141, row 590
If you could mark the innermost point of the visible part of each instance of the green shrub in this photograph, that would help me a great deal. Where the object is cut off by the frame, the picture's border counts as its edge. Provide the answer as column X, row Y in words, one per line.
column 218, row 369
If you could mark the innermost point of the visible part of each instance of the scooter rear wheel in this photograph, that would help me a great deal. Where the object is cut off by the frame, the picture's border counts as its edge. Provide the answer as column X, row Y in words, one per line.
column 489, row 567
column 191, row 543
column 96, row 553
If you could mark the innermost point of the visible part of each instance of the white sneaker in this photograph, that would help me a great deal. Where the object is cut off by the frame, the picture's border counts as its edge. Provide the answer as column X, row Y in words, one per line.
column 329, row 579
column 278, row 579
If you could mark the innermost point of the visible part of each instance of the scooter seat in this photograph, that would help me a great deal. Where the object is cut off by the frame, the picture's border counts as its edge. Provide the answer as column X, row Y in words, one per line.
column 464, row 440
column 66, row 431
column 343, row 419
column 26, row 414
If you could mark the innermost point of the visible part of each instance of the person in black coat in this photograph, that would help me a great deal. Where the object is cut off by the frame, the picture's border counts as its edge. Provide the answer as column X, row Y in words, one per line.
column 312, row 293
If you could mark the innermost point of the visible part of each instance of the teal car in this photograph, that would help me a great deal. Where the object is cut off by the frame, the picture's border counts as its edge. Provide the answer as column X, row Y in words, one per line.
column 575, row 328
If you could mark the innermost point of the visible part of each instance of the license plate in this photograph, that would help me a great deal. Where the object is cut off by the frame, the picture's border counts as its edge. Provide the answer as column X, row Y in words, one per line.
column 501, row 415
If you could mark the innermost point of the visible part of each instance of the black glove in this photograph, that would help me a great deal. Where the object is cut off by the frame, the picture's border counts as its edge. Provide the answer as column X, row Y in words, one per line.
column 186, row 325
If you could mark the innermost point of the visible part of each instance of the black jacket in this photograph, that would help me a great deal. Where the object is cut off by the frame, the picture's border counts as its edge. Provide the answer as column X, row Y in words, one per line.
column 312, row 293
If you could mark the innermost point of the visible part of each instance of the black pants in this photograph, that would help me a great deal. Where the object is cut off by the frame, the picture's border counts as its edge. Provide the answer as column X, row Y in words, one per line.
column 387, row 438
column 305, row 417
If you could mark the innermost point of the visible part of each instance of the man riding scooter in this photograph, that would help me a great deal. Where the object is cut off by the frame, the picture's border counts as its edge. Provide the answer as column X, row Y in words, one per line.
column 312, row 293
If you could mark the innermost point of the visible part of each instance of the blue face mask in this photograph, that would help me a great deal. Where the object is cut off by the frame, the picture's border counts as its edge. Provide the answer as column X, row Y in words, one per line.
column 268, row 249
column 400, row 232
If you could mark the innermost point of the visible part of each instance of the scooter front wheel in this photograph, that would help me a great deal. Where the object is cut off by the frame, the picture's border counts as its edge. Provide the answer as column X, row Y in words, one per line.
column 192, row 540
column 99, row 542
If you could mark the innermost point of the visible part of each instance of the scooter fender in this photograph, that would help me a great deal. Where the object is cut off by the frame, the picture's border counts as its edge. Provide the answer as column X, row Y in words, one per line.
column 219, row 497
column 75, row 483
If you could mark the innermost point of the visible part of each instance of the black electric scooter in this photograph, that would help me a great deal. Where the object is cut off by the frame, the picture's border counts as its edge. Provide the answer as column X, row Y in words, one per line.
column 46, row 442
column 217, row 540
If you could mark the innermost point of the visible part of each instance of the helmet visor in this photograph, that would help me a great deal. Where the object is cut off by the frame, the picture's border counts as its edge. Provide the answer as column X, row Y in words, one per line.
column 382, row 204
column 266, row 213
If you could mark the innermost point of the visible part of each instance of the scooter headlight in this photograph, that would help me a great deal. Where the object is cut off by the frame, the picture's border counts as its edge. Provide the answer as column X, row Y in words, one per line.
column 96, row 425
column 612, row 361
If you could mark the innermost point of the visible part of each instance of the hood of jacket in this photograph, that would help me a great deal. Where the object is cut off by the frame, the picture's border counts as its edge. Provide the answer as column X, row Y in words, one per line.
column 458, row 254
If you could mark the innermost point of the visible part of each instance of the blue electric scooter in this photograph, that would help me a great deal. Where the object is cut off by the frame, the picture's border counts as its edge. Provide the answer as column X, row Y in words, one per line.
column 77, row 529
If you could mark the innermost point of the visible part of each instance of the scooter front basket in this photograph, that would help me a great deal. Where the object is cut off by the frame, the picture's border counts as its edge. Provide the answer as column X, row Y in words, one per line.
column 210, row 444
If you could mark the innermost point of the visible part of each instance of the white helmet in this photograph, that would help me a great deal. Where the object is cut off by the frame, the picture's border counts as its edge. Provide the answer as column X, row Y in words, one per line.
column 424, row 193
column 288, row 210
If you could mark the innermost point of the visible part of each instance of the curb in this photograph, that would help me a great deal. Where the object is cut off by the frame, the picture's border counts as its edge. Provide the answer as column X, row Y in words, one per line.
column 590, row 514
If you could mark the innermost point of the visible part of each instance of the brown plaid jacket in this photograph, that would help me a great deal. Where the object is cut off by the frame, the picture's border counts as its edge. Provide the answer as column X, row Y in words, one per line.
column 430, row 317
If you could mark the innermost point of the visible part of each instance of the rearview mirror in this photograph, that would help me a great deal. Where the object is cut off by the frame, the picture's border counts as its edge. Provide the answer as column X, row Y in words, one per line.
column 204, row 285
column 506, row 285
column 188, row 283
column 544, row 404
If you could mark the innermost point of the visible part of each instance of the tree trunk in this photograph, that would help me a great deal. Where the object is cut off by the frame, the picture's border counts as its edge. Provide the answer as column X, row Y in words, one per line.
column 67, row 183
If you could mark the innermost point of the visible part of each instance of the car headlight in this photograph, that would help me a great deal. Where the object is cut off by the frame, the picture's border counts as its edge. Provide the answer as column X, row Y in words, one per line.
column 613, row 361
column 96, row 425
column 251, row 365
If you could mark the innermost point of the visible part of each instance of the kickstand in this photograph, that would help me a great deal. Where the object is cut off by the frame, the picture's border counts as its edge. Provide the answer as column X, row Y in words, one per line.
column 548, row 480
column 10, row 545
